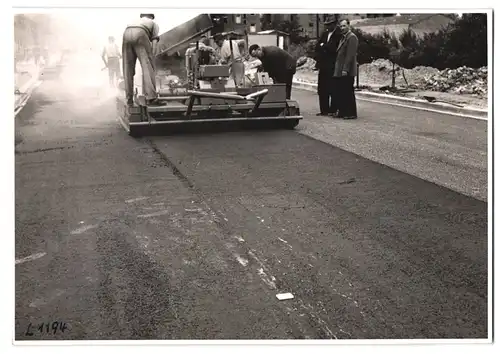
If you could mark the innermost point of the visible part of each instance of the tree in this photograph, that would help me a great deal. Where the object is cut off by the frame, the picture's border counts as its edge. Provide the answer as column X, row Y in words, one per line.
column 467, row 39
column 266, row 22
column 292, row 27
column 410, row 46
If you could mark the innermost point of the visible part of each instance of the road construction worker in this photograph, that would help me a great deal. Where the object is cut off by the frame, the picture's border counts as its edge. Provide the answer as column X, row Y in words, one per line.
column 278, row 63
column 111, row 57
column 139, row 42
column 223, row 53
column 224, row 50
column 209, row 55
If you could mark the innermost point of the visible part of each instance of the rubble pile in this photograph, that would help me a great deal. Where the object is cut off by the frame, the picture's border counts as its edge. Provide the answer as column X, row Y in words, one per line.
column 462, row 80
column 306, row 63
column 382, row 65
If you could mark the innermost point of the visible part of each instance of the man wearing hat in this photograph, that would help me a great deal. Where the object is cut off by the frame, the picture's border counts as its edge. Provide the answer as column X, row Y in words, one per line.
column 111, row 57
column 326, row 55
column 139, row 41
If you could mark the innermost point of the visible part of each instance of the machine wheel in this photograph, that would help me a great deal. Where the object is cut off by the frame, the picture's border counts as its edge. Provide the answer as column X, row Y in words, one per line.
column 134, row 135
column 292, row 124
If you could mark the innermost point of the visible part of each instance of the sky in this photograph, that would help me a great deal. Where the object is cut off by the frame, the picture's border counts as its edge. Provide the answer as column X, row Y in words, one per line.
column 115, row 21
column 98, row 24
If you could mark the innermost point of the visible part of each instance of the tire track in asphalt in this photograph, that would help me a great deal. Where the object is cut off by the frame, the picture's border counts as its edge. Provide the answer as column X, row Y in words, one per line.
column 311, row 326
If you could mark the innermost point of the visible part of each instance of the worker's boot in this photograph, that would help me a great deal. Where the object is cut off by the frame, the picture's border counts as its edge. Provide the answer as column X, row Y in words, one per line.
column 154, row 102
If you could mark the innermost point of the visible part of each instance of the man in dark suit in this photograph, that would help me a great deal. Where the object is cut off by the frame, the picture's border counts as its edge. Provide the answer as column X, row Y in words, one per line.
column 326, row 53
column 278, row 63
column 346, row 70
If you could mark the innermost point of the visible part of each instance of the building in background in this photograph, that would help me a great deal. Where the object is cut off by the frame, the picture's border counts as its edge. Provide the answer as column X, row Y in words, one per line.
column 312, row 25
column 236, row 22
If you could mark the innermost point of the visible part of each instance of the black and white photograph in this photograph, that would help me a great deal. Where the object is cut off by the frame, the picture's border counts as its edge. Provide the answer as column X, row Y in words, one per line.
column 283, row 176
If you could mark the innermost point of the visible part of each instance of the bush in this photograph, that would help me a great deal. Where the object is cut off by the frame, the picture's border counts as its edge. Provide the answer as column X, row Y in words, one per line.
column 462, row 43
column 371, row 47
column 297, row 50
column 467, row 42
column 292, row 27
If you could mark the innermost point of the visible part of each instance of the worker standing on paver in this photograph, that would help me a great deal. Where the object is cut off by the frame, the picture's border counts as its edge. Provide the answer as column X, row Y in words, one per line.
column 278, row 63
column 224, row 50
column 228, row 53
column 139, row 42
column 111, row 57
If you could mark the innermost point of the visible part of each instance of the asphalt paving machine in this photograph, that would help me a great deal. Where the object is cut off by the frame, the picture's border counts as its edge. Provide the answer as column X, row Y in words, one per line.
column 212, row 98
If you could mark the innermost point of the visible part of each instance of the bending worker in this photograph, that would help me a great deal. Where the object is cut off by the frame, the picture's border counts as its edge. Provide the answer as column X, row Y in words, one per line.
column 278, row 63
column 139, row 42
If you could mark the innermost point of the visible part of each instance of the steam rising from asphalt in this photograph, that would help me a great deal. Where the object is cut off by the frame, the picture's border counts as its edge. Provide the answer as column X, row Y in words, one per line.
column 83, row 81
column 84, row 33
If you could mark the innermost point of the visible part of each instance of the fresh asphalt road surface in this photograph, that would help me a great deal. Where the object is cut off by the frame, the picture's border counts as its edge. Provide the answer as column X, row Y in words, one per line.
column 448, row 150
column 192, row 237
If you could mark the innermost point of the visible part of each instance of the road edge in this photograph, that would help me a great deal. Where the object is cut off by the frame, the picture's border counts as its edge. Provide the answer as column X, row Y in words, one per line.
column 406, row 102
column 25, row 92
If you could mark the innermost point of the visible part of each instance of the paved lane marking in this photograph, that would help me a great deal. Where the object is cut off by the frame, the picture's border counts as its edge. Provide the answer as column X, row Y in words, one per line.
column 27, row 96
column 30, row 258
column 315, row 317
column 82, row 229
column 136, row 199
column 239, row 238
column 268, row 280
column 285, row 242
column 40, row 302
column 158, row 213
column 242, row 260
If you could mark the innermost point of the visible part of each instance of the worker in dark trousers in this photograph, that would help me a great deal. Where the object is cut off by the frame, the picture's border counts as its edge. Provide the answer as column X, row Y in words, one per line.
column 326, row 54
column 346, row 67
column 278, row 63
column 139, row 42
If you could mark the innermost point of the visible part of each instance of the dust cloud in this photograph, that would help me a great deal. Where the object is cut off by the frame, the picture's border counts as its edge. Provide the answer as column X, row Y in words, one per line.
column 73, row 40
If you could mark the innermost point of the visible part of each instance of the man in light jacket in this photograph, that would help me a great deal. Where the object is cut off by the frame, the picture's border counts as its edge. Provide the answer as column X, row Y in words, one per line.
column 139, row 40
column 346, row 70
column 234, row 59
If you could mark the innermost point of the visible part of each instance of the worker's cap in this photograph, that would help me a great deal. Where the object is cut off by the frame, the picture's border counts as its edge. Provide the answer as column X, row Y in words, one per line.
column 152, row 16
column 218, row 36
column 331, row 20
